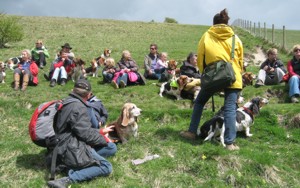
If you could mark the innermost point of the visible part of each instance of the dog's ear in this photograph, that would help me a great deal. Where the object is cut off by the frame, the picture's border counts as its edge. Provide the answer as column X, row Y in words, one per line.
column 125, row 115
column 255, row 109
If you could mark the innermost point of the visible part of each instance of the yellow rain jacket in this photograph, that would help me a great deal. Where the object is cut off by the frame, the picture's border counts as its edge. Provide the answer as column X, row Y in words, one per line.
column 215, row 45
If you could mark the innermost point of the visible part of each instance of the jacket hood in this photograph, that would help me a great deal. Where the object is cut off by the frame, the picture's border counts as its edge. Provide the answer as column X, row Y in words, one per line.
column 221, row 31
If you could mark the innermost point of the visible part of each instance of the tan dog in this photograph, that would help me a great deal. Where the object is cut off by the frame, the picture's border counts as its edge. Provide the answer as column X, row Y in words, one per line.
column 126, row 125
column 248, row 78
column 172, row 68
column 78, row 71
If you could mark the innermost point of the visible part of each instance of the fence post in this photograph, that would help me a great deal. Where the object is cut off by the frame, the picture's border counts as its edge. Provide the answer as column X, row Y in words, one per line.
column 254, row 28
column 283, row 42
column 250, row 27
column 259, row 31
column 273, row 33
column 265, row 31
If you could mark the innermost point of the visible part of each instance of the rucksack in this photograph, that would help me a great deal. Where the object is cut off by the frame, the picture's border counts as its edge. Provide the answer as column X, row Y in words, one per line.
column 41, row 124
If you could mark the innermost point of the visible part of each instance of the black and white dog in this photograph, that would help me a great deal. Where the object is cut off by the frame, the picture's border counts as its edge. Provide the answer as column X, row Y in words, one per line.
column 174, row 86
column 244, row 119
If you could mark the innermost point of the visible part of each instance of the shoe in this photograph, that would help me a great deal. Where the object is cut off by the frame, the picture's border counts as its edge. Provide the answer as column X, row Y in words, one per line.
column 46, row 77
column 60, row 183
column 259, row 83
column 63, row 82
column 188, row 135
column 122, row 84
column 41, row 65
column 52, row 83
column 294, row 99
column 232, row 147
column 114, row 84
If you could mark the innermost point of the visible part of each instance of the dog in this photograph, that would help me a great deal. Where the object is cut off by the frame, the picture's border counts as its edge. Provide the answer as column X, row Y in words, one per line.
column 248, row 78
column 126, row 125
column 244, row 120
column 171, row 72
column 2, row 72
column 78, row 72
column 99, row 62
column 174, row 87
column 13, row 62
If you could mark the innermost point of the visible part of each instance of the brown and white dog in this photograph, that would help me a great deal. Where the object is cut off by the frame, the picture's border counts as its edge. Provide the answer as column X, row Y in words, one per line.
column 244, row 120
column 174, row 86
column 99, row 61
column 78, row 71
column 126, row 125
column 2, row 72
column 248, row 78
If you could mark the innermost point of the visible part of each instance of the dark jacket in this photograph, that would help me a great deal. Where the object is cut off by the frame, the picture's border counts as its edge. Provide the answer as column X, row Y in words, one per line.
column 76, row 135
column 189, row 70
column 101, row 112
column 129, row 64
column 275, row 64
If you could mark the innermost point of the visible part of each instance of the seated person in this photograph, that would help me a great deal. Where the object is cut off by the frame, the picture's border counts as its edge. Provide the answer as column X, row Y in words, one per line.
column 98, row 62
column 161, row 64
column 109, row 70
column 39, row 54
column 293, row 67
column 27, row 71
column 127, row 72
column 62, row 66
column 67, row 49
column 150, row 63
column 190, row 69
column 271, row 70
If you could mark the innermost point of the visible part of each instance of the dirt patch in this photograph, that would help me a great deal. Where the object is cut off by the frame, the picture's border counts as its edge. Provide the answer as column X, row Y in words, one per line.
column 256, row 58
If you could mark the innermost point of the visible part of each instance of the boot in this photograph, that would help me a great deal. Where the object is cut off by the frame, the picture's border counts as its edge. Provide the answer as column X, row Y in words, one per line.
column 17, row 82
column 63, row 81
column 52, row 83
column 25, row 82
column 60, row 183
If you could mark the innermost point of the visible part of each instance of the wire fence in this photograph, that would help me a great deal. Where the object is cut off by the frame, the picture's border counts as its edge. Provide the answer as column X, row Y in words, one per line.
column 280, row 37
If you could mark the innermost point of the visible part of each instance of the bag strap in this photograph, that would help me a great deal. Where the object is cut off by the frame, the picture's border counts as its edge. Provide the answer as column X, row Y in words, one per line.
column 232, row 47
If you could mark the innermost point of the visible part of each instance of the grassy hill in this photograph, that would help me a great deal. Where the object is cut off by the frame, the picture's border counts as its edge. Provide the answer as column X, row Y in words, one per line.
column 269, row 159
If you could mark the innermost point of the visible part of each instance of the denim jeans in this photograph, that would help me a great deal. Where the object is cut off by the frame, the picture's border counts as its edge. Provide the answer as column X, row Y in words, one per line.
column 124, row 77
column 107, row 151
column 107, row 77
column 59, row 72
column 104, row 169
column 229, row 113
column 294, row 86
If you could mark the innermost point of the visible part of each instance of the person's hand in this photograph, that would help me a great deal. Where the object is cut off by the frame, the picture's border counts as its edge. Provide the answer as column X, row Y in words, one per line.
column 271, row 69
column 108, row 129
column 266, row 67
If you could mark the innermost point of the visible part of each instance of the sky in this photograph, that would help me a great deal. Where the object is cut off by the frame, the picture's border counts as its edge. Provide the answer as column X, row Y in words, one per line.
column 195, row 12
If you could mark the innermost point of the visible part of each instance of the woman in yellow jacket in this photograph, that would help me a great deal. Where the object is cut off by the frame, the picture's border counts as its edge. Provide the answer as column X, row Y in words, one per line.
column 216, row 45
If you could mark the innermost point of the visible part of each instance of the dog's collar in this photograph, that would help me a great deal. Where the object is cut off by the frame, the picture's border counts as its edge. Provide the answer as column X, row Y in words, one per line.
column 248, row 111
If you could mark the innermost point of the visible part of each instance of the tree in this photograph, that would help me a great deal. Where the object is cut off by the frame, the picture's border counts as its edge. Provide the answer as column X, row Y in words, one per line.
column 10, row 30
column 170, row 20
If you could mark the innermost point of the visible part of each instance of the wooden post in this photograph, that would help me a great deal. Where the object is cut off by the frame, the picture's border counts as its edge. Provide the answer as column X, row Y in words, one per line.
column 259, row 31
column 283, row 41
column 254, row 28
column 265, row 31
column 273, row 33
column 250, row 29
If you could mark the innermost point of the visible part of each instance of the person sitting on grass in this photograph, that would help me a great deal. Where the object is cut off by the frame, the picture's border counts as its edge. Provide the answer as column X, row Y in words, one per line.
column 39, row 54
column 61, row 67
column 127, row 72
column 109, row 70
column 78, row 140
column 271, row 70
column 293, row 67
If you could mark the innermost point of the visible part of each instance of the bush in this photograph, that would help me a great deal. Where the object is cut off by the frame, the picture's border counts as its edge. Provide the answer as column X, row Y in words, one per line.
column 10, row 30
column 170, row 20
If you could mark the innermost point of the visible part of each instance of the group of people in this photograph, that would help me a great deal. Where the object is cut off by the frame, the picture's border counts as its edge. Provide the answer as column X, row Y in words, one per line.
column 76, row 123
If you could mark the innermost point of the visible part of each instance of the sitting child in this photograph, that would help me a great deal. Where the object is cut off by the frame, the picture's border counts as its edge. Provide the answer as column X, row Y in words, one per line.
column 109, row 70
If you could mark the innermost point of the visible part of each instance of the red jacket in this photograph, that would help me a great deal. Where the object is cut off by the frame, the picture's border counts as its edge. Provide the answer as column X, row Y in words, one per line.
column 34, row 71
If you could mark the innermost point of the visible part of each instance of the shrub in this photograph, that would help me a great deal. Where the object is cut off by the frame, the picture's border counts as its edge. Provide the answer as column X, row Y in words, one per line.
column 170, row 20
column 10, row 30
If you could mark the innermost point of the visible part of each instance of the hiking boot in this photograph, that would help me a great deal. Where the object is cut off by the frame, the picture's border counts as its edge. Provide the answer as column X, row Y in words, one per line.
column 122, row 84
column 41, row 65
column 63, row 82
column 60, row 183
column 259, row 83
column 52, row 83
column 294, row 99
column 114, row 84
column 46, row 77
column 232, row 147
column 188, row 135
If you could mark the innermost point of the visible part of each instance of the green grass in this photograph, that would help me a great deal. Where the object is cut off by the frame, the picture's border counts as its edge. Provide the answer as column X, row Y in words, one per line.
column 268, row 159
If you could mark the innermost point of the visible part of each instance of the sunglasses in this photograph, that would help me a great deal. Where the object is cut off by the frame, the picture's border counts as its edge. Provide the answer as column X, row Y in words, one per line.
column 296, row 50
column 152, row 48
